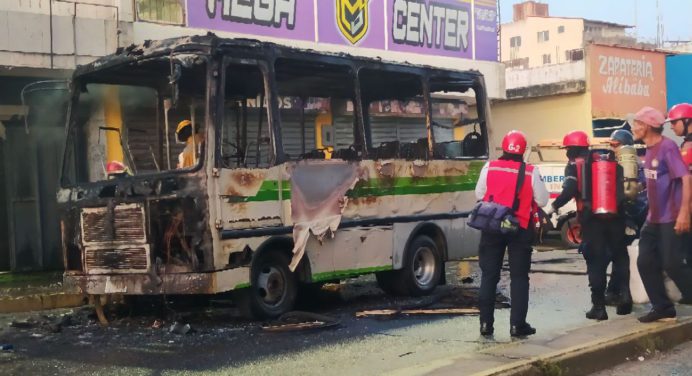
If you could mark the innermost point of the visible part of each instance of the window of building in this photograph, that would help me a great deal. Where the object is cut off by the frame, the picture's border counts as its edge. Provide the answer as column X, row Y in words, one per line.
column 161, row 11
column 574, row 55
column 546, row 59
column 560, row 29
column 515, row 42
column 543, row 36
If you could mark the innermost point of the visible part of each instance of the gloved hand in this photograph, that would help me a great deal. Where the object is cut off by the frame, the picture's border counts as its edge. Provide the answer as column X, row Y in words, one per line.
column 550, row 212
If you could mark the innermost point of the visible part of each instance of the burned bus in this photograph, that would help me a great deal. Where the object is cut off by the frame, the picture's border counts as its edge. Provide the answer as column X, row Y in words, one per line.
column 202, row 165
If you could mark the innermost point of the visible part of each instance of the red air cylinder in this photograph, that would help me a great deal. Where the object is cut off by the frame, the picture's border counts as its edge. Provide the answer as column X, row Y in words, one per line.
column 604, row 185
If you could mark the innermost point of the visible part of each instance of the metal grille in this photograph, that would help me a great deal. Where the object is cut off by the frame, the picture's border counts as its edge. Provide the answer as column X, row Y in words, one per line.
column 124, row 224
column 117, row 260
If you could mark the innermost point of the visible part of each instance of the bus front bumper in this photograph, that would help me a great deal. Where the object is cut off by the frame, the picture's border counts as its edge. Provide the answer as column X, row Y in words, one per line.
column 152, row 284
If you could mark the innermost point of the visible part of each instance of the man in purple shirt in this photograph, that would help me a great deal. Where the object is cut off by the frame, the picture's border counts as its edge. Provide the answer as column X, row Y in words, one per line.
column 663, row 237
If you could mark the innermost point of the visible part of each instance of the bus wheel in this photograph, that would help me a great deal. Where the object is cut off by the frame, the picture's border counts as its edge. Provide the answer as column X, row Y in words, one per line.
column 273, row 288
column 422, row 269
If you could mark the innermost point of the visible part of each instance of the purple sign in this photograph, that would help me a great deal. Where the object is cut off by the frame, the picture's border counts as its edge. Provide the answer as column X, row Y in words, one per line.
column 291, row 19
column 485, row 13
column 351, row 22
column 431, row 27
column 426, row 27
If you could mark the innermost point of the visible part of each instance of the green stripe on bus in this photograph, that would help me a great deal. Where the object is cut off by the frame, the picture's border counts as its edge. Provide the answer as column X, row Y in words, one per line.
column 269, row 190
column 340, row 274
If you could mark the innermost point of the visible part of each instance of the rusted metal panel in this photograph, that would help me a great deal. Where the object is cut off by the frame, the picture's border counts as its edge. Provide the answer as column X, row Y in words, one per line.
column 124, row 223
column 148, row 284
column 122, row 259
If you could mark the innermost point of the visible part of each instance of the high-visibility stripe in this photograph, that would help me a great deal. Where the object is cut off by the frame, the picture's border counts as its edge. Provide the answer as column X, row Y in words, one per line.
column 511, row 170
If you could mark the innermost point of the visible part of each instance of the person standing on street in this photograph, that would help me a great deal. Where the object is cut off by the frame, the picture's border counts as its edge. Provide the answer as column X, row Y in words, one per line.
column 604, row 235
column 498, row 182
column 680, row 119
column 665, row 233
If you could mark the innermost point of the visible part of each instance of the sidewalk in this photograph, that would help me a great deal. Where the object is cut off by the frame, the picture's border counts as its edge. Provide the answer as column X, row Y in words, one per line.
column 22, row 292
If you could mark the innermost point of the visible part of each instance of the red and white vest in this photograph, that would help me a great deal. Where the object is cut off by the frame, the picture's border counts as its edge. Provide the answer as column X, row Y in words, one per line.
column 501, row 184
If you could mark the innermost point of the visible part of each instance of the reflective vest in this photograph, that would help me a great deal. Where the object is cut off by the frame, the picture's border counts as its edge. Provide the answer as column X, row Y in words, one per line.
column 501, row 184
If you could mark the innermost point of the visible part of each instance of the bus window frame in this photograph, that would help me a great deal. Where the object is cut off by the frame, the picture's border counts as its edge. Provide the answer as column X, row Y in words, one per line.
column 423, row 76
column 358, row 125
column 71, row 127
column 266, row 69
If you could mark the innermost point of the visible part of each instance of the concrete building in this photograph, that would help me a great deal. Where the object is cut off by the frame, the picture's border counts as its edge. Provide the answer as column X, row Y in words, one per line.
column 573, row 74
column 535, row 39
column 46, row 39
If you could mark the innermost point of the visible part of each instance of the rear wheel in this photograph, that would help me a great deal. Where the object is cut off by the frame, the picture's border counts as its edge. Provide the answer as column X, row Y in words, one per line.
column 422, row 269
column 571, row 233
column 273, row 287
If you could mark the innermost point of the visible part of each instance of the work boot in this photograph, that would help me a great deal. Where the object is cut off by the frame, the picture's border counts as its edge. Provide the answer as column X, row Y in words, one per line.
column 612, row 298
column 624, row 308
column 522, row 330
column 656, row 315
column 597, row 312
column 487, row 329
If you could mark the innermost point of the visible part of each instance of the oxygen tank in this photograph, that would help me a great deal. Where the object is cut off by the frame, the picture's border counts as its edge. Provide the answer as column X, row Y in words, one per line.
column 629, row 161
column 603, row 185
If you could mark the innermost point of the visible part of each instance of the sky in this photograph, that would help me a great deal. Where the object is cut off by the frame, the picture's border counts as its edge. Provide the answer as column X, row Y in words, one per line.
column 676, row 15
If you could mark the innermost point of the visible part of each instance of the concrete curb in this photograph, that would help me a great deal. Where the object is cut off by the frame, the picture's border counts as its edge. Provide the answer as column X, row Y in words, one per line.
column 599, row 355
column 41, row 302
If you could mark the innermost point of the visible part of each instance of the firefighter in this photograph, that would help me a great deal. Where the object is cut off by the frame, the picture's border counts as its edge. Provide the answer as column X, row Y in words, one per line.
column 635, row 206
column 188, row 157
column 663, row 237
column 604, row 235
column 680, row 119
column 498, row 182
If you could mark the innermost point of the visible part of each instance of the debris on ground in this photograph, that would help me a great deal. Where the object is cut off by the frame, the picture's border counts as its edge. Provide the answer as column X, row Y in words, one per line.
column 27, row 324
column 298, row 320
column 157, row 324
column 179, row 328
column 434, row 311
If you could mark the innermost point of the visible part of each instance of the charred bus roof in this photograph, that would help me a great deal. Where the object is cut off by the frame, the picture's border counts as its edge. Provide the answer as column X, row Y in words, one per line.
column 211, row 44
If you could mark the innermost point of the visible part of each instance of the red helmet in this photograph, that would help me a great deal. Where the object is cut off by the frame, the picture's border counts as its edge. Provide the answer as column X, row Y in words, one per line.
column 514, row 143
column 679, row 111
column 115, row 167
column 575, row 138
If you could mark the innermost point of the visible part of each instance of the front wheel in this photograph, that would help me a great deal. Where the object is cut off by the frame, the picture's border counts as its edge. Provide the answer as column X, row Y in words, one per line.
column 422, row 269
column 273, row 287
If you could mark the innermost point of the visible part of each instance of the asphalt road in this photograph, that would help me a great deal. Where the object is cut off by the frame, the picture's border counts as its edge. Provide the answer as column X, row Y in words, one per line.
column 223, row 344
column 675, row 362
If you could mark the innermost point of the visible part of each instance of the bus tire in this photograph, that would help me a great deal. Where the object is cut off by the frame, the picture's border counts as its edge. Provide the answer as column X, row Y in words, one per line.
column 422, row 269
column 273, row 287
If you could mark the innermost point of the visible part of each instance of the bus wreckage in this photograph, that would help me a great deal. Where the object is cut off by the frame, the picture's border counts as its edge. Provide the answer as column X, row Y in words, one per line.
column 202, row 165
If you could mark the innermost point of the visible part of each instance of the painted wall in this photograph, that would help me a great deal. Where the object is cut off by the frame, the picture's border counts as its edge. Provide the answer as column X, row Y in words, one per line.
column 679, row 79
column 556, row 45
column 541, row 118
column 623, row 80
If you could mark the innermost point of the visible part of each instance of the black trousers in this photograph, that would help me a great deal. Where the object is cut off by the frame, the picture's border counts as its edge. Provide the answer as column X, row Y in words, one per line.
column 662, row 250
column 490, row 257
column 605, row 239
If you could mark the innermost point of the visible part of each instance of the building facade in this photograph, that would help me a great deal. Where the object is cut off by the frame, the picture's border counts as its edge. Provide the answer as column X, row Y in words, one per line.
column 574, row 74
